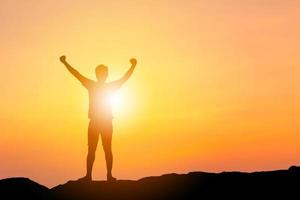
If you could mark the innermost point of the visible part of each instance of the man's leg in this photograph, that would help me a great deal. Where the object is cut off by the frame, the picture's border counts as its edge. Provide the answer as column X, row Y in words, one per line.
column 106, row 136
column 93, row 136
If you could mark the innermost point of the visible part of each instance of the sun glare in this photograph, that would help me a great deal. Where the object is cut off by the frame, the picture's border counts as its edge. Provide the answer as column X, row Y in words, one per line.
column 115, row 100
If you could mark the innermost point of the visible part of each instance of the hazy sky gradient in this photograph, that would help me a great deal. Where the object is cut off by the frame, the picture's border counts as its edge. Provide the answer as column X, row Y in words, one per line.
column 216, row 87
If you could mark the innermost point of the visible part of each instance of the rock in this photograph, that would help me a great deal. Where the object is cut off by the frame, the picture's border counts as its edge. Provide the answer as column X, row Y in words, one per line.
column 194, row 185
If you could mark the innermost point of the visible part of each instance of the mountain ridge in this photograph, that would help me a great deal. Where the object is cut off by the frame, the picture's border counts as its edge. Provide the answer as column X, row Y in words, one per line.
column 192, row 185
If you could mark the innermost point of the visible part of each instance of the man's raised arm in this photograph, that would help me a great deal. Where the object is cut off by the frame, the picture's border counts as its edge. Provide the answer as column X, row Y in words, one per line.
column 73, row 71
column 128, row 73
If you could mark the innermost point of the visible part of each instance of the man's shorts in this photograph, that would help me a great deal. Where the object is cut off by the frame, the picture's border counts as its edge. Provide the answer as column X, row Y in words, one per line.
column 103, row 127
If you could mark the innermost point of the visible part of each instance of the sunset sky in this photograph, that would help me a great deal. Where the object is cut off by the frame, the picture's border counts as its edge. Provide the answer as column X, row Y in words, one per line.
column 216, row 87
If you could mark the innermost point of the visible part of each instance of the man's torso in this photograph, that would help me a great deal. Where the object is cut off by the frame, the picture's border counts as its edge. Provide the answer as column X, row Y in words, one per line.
column 99, row 100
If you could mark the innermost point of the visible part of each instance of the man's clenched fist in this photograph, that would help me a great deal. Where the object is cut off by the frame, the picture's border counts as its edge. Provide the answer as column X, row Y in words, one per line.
column 62, row 58
column 133, row 61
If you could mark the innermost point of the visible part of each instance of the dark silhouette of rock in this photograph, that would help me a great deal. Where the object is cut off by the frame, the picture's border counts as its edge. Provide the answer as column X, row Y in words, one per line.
column 282, row 184
column 22, row 188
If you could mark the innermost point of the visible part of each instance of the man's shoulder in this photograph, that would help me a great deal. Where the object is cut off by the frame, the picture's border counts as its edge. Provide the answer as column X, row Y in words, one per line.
column 88, row 83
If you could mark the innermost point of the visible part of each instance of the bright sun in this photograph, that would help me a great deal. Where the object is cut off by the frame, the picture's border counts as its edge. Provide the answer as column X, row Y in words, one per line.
column 115, row 99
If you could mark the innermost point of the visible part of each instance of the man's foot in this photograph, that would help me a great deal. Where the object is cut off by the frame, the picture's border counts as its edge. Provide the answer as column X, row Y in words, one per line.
column 111, row 179
column 85, row 179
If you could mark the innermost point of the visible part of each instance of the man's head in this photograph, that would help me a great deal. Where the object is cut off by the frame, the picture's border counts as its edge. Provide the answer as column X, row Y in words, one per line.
column 101, row 72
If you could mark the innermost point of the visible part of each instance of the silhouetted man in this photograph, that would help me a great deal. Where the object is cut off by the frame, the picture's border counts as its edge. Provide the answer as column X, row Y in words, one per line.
column 100, row 113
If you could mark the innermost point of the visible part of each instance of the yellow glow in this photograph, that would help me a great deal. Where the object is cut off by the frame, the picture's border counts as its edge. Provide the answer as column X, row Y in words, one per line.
column 216, row 86
column 116, row 100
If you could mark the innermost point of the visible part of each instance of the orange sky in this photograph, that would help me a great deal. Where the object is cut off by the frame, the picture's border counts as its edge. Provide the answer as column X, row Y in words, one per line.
column 216, row 87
